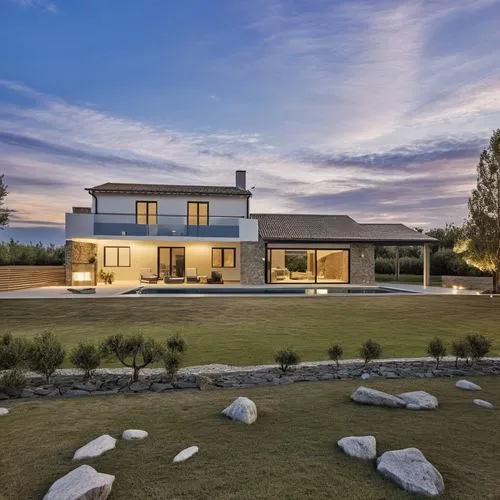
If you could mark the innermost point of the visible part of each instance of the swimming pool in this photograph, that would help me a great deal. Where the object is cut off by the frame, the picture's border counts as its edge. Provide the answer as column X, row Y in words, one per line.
column 354, row 290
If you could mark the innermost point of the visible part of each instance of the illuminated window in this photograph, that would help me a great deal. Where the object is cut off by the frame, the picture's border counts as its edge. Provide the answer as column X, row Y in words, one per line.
column 146, row 212
column 223, row 257
column 116, row 256
column 197, row 213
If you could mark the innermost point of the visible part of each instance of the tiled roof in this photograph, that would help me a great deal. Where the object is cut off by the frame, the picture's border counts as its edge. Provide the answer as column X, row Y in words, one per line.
column 341, row 228
column 180, row 190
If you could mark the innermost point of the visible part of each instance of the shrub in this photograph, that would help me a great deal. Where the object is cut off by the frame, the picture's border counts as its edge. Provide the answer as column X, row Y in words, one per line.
column 479, row 346
column 384, row 265
column 133, row 351
column 370, row 350
column 86, row 357
column 106, row 277
column 436, row 349
column 285, row 358
column 13, row 352
column 176, row 343
column 172, row 360
column 45, row 354
column 460, row 349
column 13, row 381
column 335, row 352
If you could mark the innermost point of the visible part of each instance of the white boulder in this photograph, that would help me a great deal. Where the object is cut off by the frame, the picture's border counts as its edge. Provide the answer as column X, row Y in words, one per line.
column 369, row 396
column 132, row 434
column 82, row 483
column 411, row 471
column 95, row 448
column 185, row 454
column 3, row 411
column 364, row 447
column 483, row 404
column 419, row 400
column 467, row 386
column 365, row 376
column 242, row 409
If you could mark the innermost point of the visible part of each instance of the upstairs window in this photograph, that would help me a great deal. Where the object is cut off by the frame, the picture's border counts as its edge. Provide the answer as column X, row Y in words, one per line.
column 223, row 257
column 197, row 213
column 146, row 212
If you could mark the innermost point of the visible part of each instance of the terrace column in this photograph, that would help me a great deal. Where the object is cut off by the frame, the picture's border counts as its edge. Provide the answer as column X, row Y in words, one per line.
column 427, row 264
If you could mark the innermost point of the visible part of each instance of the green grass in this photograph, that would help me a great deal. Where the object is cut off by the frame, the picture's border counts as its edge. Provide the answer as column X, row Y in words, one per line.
column 243, row 331
column 410, row 279
column 290, row 452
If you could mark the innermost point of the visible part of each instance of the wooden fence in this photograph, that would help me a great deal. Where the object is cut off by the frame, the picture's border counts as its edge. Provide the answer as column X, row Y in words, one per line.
column 20, row 277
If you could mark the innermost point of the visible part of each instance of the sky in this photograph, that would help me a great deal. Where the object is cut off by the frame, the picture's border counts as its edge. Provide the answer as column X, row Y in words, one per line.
column 376, row 109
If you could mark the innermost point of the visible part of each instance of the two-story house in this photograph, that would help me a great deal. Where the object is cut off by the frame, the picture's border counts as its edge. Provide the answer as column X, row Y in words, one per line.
column 171, row 231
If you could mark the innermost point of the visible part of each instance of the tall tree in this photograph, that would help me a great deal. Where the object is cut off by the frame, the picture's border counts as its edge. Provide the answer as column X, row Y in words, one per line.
column 4, row 211
column 481, row 245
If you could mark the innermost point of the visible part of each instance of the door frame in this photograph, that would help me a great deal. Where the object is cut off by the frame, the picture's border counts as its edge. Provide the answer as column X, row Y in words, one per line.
column 170, row 248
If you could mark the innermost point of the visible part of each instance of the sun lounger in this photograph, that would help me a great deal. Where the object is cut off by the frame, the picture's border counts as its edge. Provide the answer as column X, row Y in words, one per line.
column 81, row 290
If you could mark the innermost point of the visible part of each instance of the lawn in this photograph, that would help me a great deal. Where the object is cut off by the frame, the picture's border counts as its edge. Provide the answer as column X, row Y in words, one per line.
column 244, row 331
column 411, row 279
column 290, row 452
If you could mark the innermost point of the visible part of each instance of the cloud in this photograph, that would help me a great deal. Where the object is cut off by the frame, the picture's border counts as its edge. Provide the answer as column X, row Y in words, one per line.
column 42, row 4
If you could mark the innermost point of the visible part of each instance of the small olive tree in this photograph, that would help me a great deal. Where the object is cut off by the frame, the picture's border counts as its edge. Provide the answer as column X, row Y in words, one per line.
column 173, row 354
column 14, row 352
column 46, row 354
column 335, row 352
column 479, row 346
column 460, row 349
column 436, row 349
column 370, row 350
column 86, row 357
column 133, row 351
column 285, row 358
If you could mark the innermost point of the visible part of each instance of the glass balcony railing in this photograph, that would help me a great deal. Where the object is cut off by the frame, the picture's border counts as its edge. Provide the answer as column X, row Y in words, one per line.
column 166, row 225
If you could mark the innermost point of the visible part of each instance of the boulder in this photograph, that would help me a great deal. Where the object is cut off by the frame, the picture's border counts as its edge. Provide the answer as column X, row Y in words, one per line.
column 242, row 409
column 3, row 411
column 467, row 386
column 82, row 483
column 205, row 383
column 95, row 448
column 365, row 376
column 419, row 400
column 411, row 471
column 185, row 454
column 160, row 387
column 369, row 396
column 483, row 404
column 364, row 447
column 132, row 434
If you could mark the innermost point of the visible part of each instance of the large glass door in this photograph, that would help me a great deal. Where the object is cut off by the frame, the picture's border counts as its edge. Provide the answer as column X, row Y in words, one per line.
column 171, row 262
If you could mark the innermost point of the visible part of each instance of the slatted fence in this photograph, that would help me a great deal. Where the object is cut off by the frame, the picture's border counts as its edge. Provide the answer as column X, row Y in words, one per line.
column 21, row 277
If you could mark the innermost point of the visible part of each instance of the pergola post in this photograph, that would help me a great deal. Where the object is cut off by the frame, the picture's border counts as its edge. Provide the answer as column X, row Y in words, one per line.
column 427, row 264
column 397, row 267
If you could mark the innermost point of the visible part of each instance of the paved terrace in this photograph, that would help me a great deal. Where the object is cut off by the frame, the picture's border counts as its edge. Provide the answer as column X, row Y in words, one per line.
column 116, row 290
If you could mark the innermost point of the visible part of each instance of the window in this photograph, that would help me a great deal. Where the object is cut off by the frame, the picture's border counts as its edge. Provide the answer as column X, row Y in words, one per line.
column 116, row 256
column 223, row 257
column 197, row 213
column 146, row 212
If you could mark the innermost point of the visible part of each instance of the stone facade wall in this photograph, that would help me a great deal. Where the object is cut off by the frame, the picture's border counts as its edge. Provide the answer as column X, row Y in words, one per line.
column 155, row 380
column 78, row 253
column 469, row 282
column 362, row 264
column 252, row 263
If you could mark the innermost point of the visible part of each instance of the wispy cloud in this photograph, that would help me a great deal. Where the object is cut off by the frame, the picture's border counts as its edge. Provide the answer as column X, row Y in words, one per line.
column 43, row 4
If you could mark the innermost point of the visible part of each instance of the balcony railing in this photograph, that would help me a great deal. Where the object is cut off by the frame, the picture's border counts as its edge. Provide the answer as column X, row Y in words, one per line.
column 166, row 225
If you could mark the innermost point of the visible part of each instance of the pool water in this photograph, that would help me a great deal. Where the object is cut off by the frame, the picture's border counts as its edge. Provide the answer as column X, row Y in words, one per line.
column 261, row 291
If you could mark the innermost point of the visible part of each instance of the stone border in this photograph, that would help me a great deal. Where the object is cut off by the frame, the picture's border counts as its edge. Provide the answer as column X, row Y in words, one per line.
column 114, row 381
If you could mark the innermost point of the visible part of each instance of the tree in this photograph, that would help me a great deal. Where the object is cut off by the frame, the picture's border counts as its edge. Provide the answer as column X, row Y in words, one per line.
column 45, row 354
column 335, row 352
column 436, row 349
column 370, row 350
column 133, row 351
column 4, row 211
column 481, row 242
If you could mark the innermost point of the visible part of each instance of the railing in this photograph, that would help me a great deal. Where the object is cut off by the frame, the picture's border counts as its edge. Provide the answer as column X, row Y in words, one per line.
column 166, row 225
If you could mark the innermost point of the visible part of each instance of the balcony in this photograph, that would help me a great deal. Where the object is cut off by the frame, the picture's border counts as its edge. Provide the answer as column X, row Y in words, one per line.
column 79, row 225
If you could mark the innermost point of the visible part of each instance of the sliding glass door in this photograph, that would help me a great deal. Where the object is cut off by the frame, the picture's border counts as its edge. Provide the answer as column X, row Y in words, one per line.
column 308, row 265
column 171, row 262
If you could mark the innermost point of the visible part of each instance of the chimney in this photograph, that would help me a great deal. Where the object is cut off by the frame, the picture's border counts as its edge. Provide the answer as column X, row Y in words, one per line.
column 241, row 179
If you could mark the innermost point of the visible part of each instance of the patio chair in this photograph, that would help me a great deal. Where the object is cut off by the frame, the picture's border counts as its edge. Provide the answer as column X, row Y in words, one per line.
column 81, row 290
column 147, row 276
column 192, row 275
column 215, row 278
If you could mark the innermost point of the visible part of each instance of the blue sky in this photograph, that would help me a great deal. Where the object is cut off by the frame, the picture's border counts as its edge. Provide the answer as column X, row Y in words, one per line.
column 377, row 109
